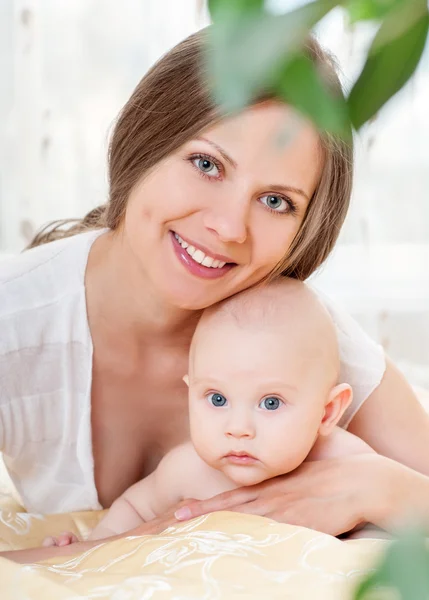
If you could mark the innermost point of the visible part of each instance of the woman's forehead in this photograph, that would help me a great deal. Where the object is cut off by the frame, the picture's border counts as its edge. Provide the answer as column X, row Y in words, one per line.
column 276, row 126
column 272, row 140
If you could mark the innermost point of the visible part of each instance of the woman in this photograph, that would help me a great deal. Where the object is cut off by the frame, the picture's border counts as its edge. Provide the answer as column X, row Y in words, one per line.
column 96, row 327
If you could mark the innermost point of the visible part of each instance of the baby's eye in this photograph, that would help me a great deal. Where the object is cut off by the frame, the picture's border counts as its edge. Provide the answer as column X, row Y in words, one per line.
column 206, row 166
column 276, row 203
column 217, row 399
column 270, row 403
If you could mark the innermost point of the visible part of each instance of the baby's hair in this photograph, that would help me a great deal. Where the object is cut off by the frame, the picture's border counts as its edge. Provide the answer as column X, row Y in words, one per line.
column 264, row 304
column 286, row 306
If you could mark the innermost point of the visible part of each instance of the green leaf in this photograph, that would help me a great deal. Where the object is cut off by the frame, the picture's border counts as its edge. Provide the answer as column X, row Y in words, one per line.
column 302, row 86
column 234, row 8
column 365, row 10
column 404, row 568
column 246, row 54
column 392, row 59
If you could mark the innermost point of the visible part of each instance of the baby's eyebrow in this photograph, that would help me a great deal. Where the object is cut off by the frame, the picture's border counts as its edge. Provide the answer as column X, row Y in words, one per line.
column 206, row 381
column 274, row 385
column 278, row 386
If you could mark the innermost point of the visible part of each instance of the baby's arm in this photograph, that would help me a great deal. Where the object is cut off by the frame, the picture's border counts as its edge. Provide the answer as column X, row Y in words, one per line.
column 338, row 443
column 145, row 500
column 128, row 511
column 181, row 474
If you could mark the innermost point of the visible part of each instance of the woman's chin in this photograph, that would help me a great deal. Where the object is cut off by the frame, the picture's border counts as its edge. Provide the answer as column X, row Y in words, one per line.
column 188, row 298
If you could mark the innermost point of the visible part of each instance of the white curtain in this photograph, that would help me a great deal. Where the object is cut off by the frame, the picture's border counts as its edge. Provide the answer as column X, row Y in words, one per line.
column 66, row 69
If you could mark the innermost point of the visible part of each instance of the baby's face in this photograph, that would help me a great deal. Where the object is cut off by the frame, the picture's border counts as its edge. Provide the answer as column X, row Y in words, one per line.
column 255, row 402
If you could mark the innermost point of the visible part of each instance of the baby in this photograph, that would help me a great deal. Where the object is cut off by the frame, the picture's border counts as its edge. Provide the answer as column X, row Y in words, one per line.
column 264, row 396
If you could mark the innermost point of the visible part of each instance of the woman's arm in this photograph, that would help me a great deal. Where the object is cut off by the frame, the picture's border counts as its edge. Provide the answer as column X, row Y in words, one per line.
column 394, row 423
column 333, row 496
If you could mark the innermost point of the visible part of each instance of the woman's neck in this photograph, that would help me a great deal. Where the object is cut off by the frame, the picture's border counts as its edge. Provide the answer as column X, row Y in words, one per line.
column 122, row 302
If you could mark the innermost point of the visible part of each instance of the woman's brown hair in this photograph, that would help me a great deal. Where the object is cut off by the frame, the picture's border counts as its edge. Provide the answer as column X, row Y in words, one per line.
column 170, row 106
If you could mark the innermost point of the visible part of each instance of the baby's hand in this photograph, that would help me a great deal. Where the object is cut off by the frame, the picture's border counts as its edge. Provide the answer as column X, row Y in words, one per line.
column 65, row 539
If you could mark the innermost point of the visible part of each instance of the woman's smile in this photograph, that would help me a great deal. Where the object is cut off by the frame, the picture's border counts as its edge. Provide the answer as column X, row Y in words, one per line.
column 199, row 261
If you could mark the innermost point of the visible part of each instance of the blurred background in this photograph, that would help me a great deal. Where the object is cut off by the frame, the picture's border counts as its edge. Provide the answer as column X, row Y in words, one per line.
column 66, row 69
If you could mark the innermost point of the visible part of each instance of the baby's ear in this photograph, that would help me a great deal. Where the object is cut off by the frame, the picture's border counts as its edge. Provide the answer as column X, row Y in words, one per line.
column 339, row 399
column 186, row 379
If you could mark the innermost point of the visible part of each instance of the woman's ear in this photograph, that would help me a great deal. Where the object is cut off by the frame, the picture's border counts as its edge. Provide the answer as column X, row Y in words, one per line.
column 339, row 399
column 186, row 379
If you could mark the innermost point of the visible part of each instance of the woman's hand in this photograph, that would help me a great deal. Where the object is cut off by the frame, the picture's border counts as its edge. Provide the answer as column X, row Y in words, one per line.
column 332, row 496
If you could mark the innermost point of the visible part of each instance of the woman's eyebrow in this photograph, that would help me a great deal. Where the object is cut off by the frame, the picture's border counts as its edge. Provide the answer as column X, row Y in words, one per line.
column 288, row 189
column 273, row 186
column 220, row 150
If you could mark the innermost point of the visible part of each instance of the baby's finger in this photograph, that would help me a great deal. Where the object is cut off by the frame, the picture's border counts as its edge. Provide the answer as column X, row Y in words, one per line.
column 66, row 538
column 48, row 542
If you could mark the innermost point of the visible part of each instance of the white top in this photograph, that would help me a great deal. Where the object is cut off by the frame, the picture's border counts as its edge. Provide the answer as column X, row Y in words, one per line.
column 46, row 374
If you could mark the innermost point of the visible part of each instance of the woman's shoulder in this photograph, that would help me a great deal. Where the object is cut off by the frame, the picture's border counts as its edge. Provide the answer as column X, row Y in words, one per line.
column 45, row 273
column 42, row 300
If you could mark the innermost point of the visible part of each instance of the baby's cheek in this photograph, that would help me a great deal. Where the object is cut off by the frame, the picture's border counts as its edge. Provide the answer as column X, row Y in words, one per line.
column 197, row 423
column 205, row 442
column 288, row 451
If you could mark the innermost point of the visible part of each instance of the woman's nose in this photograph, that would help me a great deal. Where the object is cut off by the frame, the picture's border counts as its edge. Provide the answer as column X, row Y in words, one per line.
column 229, row 220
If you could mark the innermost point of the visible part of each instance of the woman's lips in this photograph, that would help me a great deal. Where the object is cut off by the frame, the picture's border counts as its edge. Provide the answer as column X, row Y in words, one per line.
column 195, row 268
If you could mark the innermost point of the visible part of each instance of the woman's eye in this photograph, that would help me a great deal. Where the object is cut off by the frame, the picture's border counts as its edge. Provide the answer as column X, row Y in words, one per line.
column 276, row 203
column 206, row 166
column 271, row 403
column 217, row 399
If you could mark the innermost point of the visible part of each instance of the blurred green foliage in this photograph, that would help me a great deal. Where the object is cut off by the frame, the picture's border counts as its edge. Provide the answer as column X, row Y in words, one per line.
column 252, row 50
column 402, row 574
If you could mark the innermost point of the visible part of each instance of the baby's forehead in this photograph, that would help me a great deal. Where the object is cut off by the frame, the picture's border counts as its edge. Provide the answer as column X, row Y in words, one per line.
column 261, row 345
column 259, row 363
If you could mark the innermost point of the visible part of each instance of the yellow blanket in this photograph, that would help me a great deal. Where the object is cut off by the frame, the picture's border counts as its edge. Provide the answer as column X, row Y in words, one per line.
column 224, row 555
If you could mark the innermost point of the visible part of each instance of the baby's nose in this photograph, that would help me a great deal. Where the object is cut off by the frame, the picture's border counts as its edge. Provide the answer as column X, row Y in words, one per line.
column 240, row 428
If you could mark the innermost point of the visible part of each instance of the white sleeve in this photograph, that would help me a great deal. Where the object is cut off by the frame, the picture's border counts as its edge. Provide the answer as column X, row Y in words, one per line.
column 362, row 360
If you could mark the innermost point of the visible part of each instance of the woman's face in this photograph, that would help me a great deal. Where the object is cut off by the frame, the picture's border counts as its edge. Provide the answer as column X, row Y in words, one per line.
column 218, row 215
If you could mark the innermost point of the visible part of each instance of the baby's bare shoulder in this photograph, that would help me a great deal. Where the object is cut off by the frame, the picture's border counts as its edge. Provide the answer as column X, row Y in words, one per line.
column 339, row 443
column 184, row 455
column 183, row 462
column 196, row 479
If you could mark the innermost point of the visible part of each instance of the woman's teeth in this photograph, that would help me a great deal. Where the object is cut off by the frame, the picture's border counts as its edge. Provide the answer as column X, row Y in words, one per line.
column 198, row 256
